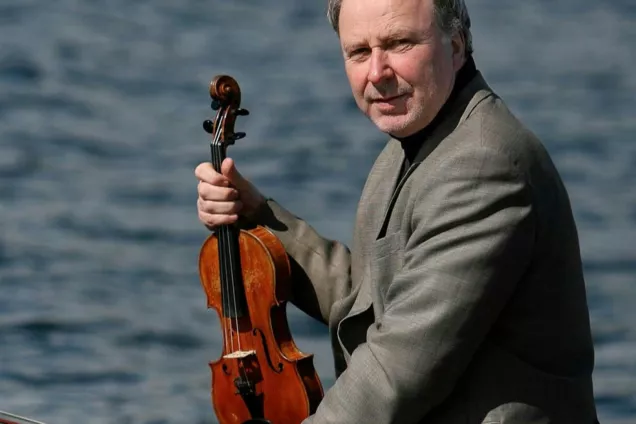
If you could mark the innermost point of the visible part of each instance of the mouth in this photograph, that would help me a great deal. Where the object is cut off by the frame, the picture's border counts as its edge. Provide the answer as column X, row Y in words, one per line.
column 387, row 99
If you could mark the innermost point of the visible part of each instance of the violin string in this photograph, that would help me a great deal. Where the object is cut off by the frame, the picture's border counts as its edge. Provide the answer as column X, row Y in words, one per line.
column 230, row 246
column 229, row 346
column 228, row 261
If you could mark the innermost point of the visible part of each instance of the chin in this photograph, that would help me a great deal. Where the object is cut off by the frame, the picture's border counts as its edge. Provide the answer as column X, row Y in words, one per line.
column 394, row 125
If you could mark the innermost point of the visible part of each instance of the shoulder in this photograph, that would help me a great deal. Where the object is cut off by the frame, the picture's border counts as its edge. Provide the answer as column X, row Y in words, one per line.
column 490, row 151
column 496, row 129
column 489, row 135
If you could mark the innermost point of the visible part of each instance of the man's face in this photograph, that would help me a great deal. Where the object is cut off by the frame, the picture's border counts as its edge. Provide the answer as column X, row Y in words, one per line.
column 400, row 65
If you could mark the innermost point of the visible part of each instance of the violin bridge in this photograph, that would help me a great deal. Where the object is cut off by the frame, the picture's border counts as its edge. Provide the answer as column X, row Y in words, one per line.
column 240, row 354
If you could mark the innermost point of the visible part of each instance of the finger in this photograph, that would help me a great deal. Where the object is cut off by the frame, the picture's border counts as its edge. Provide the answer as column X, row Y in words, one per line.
column 205, row 172
column 214, row 220
column 208, row 191
column 216, row 208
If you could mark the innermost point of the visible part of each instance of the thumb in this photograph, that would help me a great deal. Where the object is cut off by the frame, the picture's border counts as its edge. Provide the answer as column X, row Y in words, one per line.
column 250, row 196
column 229, row 171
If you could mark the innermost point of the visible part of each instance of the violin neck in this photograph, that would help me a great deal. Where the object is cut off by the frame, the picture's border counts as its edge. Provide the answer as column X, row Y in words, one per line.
column 234, row 303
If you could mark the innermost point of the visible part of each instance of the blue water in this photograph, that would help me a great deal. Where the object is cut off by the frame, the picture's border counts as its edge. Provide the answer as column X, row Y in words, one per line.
column 102, row 317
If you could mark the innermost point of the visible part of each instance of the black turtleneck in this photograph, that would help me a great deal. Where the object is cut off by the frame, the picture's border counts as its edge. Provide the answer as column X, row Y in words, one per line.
column 412, row 143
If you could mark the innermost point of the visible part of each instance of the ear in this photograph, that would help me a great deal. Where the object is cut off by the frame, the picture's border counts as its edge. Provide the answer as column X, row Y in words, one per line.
column 458, row 49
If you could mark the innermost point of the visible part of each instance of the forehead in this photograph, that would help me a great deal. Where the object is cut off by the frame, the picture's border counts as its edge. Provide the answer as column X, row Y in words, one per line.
column 373, row 18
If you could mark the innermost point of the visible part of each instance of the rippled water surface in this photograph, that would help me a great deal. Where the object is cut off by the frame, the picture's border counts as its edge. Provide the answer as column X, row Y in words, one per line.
column 102, row 316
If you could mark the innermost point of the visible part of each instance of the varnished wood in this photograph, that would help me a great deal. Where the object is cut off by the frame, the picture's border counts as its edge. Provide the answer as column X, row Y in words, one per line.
column 286, row 378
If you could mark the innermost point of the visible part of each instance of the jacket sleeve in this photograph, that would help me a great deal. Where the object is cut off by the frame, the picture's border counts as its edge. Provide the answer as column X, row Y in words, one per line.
column 321, row 268
column 472, row 237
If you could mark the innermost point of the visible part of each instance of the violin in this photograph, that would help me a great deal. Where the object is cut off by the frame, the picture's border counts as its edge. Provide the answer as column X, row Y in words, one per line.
column 8, row 418
column 261, row 377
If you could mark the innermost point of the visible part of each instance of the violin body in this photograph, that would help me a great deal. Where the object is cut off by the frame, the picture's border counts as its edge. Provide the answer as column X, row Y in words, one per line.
column 286, row 388
column 261, row 376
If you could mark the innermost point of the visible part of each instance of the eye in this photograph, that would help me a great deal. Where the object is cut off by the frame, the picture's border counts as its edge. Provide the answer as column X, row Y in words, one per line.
column 401, row 43
column 358, row 52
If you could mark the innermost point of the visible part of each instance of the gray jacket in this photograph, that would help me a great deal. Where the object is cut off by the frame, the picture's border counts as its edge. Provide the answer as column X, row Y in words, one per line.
column 462, row 299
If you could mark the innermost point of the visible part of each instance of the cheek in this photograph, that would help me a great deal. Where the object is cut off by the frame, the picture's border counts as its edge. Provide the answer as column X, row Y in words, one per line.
column 357, row 76
column 416, row 72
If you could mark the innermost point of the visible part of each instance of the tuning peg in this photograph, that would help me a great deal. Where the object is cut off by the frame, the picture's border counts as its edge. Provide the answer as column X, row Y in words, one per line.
column 215, row 104
column 208, row 126
column 242, row 112
column 238, row 136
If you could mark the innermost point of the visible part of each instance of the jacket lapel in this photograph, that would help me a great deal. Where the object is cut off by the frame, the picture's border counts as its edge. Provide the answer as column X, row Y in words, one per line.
column 386, row 178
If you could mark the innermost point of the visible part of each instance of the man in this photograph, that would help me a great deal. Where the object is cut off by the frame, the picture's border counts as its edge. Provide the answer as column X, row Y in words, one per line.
column 462, row 299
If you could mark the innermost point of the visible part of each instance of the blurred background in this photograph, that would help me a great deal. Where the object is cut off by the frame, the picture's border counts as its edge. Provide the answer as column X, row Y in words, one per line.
column 102, row 316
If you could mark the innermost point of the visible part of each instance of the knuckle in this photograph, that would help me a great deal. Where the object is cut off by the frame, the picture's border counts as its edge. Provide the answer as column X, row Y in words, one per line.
column 208, row 191
column 200, row 170
column 217, row 180
column 202, row 190
column 206, row 174
column 203, row 207
column 229, row 194
column 205, row 219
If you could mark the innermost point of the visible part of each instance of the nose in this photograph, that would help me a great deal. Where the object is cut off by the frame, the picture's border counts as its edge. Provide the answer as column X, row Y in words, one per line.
column 379, row 69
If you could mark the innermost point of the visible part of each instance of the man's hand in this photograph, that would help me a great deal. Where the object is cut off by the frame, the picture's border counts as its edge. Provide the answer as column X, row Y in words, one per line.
column 225, row 196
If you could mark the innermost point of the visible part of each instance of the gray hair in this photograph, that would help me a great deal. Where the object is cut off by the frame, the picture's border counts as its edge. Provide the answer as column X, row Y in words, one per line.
column 451, row 16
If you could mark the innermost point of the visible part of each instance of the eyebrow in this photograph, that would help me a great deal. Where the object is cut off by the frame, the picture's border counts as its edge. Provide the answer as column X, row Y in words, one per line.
column 392, row 35
column 399, row 33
